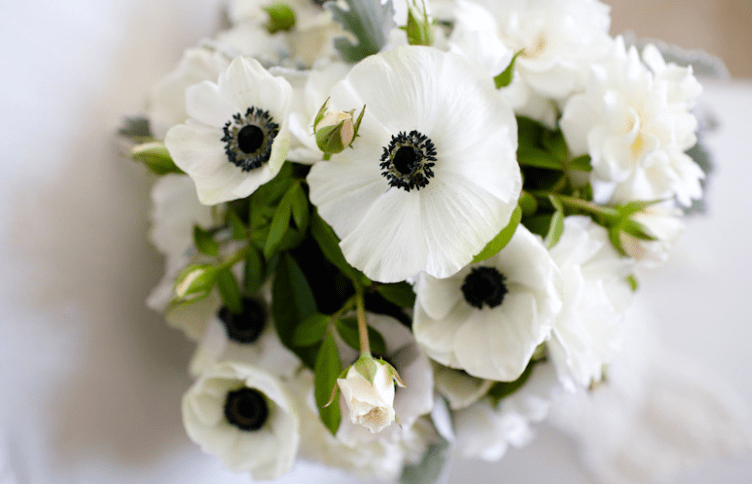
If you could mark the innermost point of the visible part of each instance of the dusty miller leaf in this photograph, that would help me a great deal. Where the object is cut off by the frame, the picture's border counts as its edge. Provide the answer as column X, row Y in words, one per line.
column 369, row 21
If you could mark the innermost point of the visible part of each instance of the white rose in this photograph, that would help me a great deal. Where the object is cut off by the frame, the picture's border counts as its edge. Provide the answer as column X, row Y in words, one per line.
column 371, row 403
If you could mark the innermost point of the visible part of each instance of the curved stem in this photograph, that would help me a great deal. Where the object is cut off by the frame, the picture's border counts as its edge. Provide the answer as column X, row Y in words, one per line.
column 365, row 346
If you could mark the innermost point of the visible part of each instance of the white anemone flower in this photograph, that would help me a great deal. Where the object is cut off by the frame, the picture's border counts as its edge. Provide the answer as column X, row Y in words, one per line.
column 489, row 318
column 636, row 126
column 432, row 176
column 166, row 102
column 246, row 417
column 248, row 337
column 587, row 333
column 410, row 402
column 236, row 136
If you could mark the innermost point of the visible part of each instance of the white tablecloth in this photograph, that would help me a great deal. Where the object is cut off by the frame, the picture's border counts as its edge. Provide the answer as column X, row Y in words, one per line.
column 91, row 381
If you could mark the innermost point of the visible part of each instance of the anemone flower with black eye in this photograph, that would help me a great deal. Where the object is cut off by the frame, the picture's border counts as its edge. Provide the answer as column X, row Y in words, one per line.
column 489, row 318
column 246, row 417
column 236, row 135
column 433, row 175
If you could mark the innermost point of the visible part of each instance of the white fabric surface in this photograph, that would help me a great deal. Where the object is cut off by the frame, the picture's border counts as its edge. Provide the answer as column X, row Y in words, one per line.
column 91, row 381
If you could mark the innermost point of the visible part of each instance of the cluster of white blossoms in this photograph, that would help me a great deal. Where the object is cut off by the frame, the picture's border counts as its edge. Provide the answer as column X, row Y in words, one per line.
column 394, row 211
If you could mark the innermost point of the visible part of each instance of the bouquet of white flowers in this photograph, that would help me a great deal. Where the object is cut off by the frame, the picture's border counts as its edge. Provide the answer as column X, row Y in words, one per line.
column 449, row 199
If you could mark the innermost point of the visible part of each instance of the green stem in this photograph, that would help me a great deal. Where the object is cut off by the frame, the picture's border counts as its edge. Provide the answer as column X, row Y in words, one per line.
column 345, row 308
column 365, row 346
column 578, row 203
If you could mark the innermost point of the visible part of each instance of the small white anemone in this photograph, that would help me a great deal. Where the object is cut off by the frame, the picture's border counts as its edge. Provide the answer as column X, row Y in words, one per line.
column 244, row 416
column 236, row 136
column 489, row 318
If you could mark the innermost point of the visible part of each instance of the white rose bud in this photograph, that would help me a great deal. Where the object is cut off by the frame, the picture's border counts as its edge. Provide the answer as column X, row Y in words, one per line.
column 335, row 130
column 370, row 400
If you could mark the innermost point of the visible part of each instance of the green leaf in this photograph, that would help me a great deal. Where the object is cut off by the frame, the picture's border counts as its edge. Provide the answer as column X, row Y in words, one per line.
column 505, row 78
column 299, row 206
column 281, row 17
column 401, row 294
column 329, row 245
column 136, row 128
column 529, row 132
column 255, row 270
column 229, row 290
column 279, row 225
column 265, row 199
column 537, row 158
column 348, row 331
column 539, row 224
column 636, row 229
column 156, row 158
column 581, row 163
column 312, row 330
column 503, row 389
column 554, row 142
column 204, row 241
column 502, row 239
column 632, row 281
column 239, row 230
column 614, row 235
column 326, row 370
column 369, row 21
column 431, row 466
column 528, row 204
column 555, row 229
column 292, row 302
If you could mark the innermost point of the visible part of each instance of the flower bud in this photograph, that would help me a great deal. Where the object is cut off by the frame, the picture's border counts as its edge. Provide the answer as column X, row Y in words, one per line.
column 335, row 130
column 368, row 388
column 195, row 282
column 281, row 17
column 420, row 27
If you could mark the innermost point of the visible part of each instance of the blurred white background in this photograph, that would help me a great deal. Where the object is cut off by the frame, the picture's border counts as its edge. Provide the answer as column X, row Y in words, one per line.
column 91, row 381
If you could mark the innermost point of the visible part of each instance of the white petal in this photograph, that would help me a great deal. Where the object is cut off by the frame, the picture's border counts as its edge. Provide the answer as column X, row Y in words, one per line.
column 204, row 103
column 389, row 245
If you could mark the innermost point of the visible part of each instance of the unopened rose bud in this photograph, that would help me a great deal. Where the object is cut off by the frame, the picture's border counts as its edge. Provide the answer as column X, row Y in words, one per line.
column 335, row 130
column 420, row 27
column 195, row 282
column 368, row 389
column 281, row 17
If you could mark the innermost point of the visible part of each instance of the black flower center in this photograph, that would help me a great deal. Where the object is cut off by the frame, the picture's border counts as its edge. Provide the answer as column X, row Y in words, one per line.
column 246, row 327
column 246, row 409
column 407, row 161
column 248, row 138
column 484, row 285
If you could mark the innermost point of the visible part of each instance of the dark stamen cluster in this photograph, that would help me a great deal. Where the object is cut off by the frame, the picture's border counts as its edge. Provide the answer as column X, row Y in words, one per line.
column 246, row 409
column 484, row 285
column 407, row 161
column 248, row 138
column 246, row 327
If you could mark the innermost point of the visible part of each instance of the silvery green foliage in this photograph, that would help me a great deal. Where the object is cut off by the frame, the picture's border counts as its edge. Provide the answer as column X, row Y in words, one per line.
column 369, row 20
